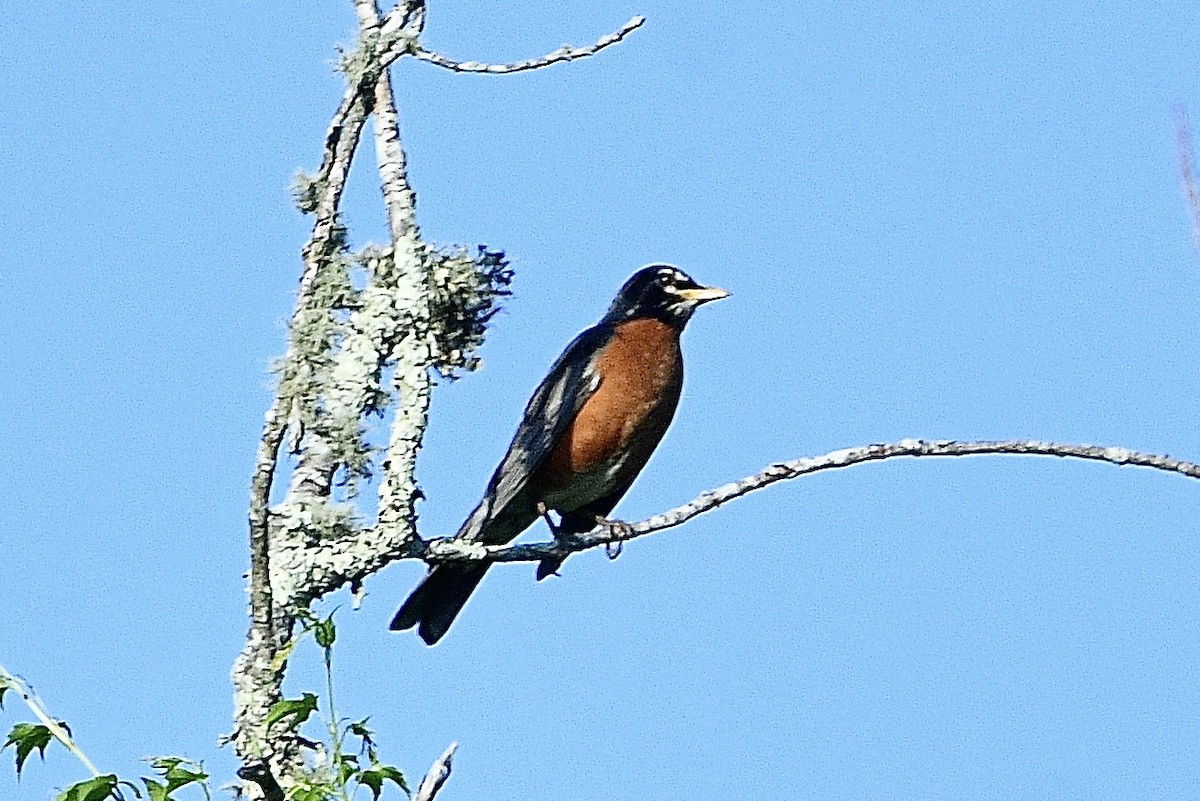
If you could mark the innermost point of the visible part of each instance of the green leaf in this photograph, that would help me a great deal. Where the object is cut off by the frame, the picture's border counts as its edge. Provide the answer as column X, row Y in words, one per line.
column 309, row 790
column 325, row 632
column 323, row 629
column 154, row 790
column 283, row 655
column 297, row 708
column 26, row 737
column 376, row 775
column 359, row 729
column 3, row 689
column 178, row 772
column 162, row 764
column 347, row 767
column 97, row 788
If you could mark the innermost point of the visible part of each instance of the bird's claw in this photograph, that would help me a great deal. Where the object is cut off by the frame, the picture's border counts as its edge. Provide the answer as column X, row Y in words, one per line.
column 620, row 531
column 549, row 567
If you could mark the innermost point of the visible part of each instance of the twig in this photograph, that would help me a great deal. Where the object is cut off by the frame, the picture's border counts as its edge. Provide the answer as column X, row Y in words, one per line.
column 1183, row 141
column 27, row 695
column 564, row 53
column 406, row 15
column 437, row 775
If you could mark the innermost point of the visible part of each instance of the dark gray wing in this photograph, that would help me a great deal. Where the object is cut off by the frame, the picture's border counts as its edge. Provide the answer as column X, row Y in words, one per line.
column 571, row 381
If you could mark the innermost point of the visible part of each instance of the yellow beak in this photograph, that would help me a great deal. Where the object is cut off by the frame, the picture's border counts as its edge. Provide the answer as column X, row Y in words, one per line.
column 703, row 294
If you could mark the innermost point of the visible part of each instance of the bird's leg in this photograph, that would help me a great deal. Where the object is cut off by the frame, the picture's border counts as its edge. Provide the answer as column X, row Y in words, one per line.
column 544, row 511
column 549, row 567
column 616, row 528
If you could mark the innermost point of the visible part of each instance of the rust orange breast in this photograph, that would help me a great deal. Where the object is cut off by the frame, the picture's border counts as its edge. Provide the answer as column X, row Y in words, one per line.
column 641, row 372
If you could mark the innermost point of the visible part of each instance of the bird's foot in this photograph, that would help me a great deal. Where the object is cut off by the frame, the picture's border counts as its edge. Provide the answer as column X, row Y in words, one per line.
column 549, row 567
column 618, row 529
column 567, row 538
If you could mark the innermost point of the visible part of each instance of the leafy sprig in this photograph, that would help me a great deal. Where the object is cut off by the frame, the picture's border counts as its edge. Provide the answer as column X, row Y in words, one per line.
column 340, row 770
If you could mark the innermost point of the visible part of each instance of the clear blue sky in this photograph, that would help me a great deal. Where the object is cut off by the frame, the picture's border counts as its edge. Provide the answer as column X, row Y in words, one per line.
column 944, row 219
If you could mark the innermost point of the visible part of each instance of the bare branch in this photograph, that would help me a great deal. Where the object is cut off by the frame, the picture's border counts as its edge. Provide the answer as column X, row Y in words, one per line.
column 406, row 15
column 437, row 775
column 353, row 559
column 253, row 673
column 564, row 53
column 450, row 550
column 1183, row 142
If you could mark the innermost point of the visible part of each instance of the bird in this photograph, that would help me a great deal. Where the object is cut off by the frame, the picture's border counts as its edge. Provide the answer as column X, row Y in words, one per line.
column 589, row 429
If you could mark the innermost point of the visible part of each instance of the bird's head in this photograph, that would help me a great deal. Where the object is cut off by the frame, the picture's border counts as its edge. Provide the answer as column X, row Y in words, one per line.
column 662, row 291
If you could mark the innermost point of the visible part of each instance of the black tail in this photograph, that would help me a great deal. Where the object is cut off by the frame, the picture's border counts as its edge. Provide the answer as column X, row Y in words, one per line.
column 438, row 600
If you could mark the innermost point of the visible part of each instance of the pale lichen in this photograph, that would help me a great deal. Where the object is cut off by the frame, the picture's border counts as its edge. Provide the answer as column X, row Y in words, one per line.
column 306, row 192
column 464, row 294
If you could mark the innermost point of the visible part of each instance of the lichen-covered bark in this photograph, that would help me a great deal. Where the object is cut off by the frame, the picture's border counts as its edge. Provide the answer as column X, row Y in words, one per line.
column 329, row 381
column 367, row 328
column 413, row 354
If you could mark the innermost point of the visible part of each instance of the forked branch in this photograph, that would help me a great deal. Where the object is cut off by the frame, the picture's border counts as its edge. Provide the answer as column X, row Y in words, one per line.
column 353, row 352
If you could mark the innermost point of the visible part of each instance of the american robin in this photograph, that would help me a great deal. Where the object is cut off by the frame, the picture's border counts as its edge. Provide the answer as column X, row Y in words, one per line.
column 588, row 431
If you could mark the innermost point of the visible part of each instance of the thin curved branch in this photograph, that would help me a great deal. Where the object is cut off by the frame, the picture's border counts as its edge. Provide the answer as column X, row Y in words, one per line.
column 448, row 550
column 352, row 558
column 57, row 728
column 564, row 53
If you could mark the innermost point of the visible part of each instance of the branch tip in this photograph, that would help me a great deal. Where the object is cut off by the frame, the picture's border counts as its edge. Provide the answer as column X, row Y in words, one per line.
column 564, row 53
column 438, row 773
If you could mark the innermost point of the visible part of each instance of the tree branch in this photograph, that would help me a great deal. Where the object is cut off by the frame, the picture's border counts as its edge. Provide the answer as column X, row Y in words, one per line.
column 256, row 676
column 352, row 559
column 451, row 550
column 414, row 353
column 564, row 53
column 437, row 775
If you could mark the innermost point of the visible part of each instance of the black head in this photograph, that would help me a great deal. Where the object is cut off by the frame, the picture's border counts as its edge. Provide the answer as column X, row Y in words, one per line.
column 661, row 291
